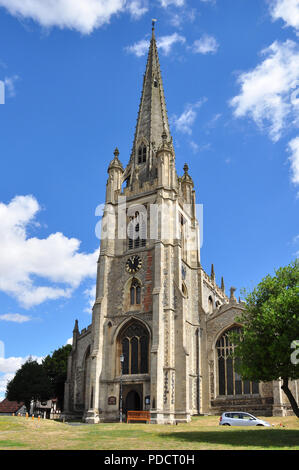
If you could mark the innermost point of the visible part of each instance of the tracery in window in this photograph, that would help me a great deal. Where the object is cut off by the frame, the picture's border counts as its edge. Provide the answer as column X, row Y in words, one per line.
column 134, row 342
column 230, row 382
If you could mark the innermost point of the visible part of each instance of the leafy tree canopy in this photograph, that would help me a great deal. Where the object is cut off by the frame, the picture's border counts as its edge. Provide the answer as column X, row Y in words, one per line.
column 30, row 383
column 55, row 366
column 270, row 326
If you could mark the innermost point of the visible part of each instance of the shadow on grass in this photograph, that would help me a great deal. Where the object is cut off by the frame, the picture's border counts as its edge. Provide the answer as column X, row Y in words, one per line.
column 263, row 438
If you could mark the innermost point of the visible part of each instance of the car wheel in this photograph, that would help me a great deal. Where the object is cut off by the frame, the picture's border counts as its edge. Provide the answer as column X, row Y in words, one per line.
column 226, row 424
column 260, row 425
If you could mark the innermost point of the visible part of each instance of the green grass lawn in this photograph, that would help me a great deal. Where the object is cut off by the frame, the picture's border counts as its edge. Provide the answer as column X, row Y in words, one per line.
column 202, row 433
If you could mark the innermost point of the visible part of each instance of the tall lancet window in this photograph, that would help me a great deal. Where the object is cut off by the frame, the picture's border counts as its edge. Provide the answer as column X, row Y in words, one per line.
column 135, row 293
column 134, row 345
column 230, row 382
column 142, row 154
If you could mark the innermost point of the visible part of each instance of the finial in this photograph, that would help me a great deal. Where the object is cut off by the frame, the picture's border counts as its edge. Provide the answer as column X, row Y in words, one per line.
column 116, row 152
column 186, row 168
column 153, row 24
column 212, row 273
column 222, row 285
column 232, row 294
column 164, row 135
column 76, row 327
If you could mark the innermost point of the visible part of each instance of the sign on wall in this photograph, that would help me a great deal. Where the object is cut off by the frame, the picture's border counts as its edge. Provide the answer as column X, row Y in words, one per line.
column 111, row 400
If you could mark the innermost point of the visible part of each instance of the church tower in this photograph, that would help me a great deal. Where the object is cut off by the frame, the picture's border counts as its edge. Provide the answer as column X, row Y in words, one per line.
column 159, row 338
column 146, row 309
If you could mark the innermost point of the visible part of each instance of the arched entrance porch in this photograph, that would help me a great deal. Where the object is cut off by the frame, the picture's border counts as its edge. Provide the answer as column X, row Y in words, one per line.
column 132, row 397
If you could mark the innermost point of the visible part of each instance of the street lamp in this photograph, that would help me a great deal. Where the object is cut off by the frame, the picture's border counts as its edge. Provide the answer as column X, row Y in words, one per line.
column 122, row 358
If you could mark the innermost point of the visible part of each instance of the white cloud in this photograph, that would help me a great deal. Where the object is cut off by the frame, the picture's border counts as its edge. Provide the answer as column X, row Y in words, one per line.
column 27, row 264
column 70, row 341
column 10, row 365
column 185, row 121
column 164, row 43
column 205, row 45
column 8, row 368
column 137, row 8
column 293, row 148
column 287, row 10
column 176, row 3
column 176, row 19
column 200, row 148
column 140, row 48
column 81, row 15
column 10, row 85
column 194, row 146
column 91, row 295
column 213, row 122
column 14, row 317
column 266, row 91
column 4, row 379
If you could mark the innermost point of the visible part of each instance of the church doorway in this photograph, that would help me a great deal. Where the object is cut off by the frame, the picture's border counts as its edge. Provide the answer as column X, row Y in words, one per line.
column 133, row 397
column 133, row 401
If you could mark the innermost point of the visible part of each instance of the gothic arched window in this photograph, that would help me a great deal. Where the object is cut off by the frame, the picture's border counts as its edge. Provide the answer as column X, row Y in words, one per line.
column 135, row 293
column 142, row 154
column 230, row 382
column 135, row 348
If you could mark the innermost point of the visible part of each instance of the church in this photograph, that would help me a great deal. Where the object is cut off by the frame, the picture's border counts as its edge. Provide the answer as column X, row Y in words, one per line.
column 158, row 341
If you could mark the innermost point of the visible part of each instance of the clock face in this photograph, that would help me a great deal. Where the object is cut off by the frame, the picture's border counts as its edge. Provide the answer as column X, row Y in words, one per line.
column 133, row 264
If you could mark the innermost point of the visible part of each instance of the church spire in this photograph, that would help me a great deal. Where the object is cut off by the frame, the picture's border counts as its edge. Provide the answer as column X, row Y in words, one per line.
column 152, row 120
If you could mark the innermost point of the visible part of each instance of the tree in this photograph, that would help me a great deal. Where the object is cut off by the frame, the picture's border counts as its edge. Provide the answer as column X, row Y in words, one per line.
column 270, row 327
column 30, row 383
column 56, row 369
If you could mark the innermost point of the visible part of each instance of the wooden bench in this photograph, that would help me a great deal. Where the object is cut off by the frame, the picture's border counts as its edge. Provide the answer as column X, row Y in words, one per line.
column 138, row 416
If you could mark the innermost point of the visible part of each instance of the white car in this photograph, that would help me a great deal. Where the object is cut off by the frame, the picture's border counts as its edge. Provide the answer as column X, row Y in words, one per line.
column 239, row 418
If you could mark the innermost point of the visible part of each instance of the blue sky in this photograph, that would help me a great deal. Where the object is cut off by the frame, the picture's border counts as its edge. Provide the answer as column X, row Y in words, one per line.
column 73, row 78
